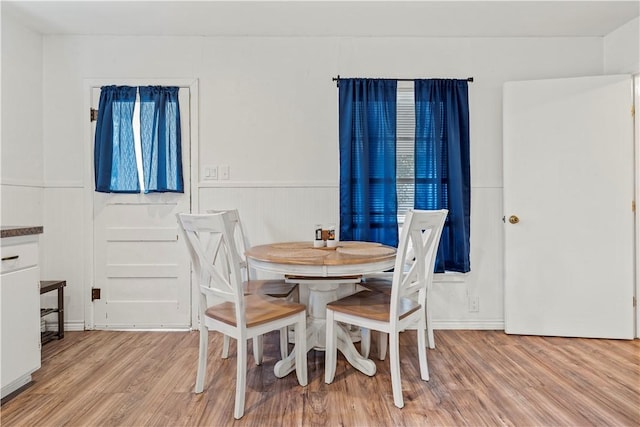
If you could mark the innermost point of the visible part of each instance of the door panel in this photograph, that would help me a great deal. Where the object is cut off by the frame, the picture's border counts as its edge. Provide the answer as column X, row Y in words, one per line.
column 142, row 269
column 569, row 178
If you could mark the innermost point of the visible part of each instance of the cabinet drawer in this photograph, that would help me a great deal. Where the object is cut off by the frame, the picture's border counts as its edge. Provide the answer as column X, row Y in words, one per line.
column 17, row 257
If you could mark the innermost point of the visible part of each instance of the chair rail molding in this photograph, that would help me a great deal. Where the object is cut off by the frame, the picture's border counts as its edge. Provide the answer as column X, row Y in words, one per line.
column 268, row 184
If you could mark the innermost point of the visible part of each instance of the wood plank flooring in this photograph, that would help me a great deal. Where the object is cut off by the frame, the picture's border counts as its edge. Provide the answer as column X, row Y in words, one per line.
column 478, row 378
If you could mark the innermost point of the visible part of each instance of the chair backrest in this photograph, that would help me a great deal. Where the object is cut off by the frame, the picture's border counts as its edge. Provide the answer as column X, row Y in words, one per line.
column 211, row 244
column 241, row 239
column 418, row 246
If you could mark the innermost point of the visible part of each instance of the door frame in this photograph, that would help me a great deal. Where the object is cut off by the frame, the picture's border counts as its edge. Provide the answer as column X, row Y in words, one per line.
column 191, row 167
column 636, row 137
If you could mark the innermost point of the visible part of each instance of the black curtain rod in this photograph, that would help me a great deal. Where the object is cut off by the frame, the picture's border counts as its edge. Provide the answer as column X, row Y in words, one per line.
column 337, row 79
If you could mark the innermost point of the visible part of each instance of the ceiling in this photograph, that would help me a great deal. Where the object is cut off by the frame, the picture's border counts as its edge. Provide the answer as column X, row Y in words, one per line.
column 326, row 18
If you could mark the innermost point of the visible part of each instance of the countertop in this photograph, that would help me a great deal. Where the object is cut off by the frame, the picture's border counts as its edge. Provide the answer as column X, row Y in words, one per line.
column 18, row 230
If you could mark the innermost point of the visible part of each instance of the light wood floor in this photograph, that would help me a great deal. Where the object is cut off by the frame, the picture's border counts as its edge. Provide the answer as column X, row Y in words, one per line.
column 478, row 378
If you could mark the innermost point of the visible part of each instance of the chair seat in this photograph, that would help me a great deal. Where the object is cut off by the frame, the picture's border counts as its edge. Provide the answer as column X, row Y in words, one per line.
column 273, row 288
column 372, row 305
column 259, row 309
column 378, row 284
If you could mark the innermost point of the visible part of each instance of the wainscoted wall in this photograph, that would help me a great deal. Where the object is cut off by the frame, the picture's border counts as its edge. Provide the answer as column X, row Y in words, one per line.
column 268, row 110
column 288, row 212
column 65, row 255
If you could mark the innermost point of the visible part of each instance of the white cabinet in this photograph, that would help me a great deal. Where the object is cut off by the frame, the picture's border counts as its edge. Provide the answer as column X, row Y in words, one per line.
column 20, row 312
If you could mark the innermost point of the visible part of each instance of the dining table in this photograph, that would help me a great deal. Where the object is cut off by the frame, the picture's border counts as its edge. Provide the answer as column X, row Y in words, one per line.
column 324, row 274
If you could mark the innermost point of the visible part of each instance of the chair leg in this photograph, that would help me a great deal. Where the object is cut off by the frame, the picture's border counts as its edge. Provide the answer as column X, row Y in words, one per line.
column 284, row 343
column 431, row 341
column 382, row 345
column 330, row 349
column 241, row 378
column 365, row 342
column 225, row 347
column 300, row 348
column 422, row 354
column 284, row 339
column 257, row 349
column 202, row 359
column 394, row 361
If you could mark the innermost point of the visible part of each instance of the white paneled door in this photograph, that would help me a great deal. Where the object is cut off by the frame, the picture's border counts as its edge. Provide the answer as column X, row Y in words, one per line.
column 140, row 266
column 568, row 195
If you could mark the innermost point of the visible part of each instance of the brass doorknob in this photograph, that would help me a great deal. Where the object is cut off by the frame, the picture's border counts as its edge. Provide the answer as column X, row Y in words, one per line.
column 514, row 219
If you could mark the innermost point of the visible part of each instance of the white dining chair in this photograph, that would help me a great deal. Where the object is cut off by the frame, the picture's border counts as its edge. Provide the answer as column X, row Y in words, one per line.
column 382, row 282
column 403, row 307
column 224, row 306
column 277, row 288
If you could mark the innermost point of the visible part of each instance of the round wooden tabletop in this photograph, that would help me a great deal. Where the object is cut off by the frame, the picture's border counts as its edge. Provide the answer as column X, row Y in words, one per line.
column 303, row 258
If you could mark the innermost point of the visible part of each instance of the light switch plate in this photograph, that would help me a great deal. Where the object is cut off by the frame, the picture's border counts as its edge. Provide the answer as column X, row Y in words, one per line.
column 210, row 172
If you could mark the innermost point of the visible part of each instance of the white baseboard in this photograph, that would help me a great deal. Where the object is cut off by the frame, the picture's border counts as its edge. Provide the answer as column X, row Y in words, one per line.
column 15, row 385
column 492, row 325
column 68, row 326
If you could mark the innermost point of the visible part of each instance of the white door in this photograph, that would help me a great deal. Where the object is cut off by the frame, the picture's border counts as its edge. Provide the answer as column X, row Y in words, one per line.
column 569, row 178
column 140, row 267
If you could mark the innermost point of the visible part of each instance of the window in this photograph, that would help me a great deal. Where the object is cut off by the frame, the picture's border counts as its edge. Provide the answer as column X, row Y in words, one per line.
column 137, row 145
column 137, row 141
column 405, row 145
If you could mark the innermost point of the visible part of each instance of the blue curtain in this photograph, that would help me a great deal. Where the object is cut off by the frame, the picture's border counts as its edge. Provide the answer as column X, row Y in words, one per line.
column 160, row 139
column 442, row 179
column 114, row 154
column 367, row 133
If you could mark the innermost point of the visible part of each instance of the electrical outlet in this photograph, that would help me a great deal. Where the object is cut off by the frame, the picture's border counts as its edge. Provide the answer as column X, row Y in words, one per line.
column 474, row 304
column 224, row 172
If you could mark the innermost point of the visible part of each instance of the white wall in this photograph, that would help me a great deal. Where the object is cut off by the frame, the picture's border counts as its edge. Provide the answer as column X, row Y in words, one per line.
column 268, row 109
column 21, row 150
column 622, row 49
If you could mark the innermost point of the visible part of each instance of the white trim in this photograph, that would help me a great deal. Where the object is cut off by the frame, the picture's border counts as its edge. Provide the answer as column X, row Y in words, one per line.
column 42, row 184
column 134, row 329
column 22, row 183
column 493, row 325
column 15, row 385
column 497, row 325
column 64, row 184
column 286, row 184
column 636, row 119
column 267, row 184
column 68, row 326
column 87, row 263
column 194, row 146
